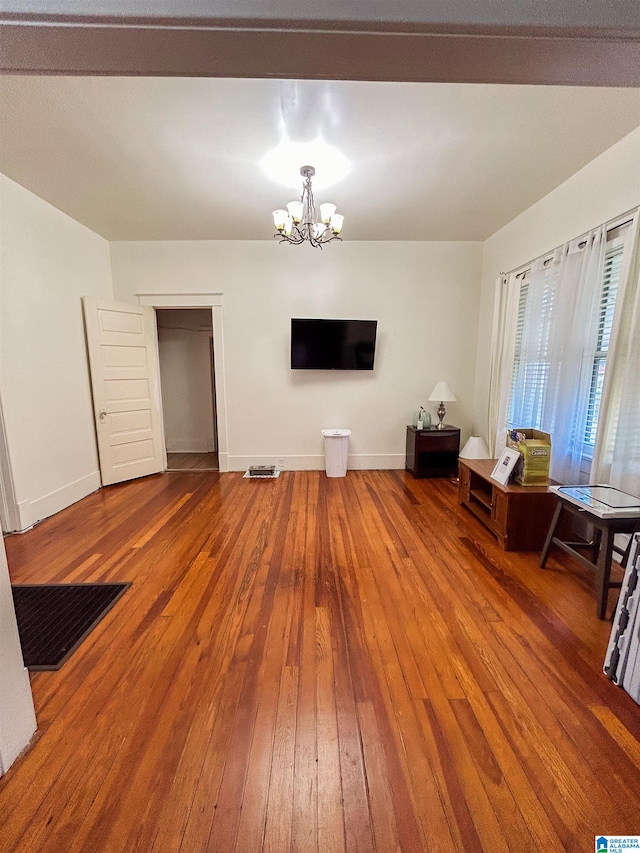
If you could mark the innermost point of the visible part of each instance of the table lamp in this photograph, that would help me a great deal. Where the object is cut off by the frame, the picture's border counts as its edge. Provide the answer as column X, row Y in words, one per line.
column 475, row 448
column 442, row 393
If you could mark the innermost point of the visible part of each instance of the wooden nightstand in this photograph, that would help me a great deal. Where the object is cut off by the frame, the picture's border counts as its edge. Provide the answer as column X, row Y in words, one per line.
column 433, row 452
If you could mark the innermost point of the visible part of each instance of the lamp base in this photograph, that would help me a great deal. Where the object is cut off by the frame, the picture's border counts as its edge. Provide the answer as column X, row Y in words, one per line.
column 441, row 413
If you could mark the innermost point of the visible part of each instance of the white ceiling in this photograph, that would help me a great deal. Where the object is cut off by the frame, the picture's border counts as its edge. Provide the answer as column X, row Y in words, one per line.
column 178, row 158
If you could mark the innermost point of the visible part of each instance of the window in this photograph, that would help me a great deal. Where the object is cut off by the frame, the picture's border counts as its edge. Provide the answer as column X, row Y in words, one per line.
column 531, row 364
column 609, row 293
column 532, row 337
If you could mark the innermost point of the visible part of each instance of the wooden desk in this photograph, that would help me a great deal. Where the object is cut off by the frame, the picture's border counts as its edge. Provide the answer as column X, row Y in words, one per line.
column 433, row 452
column 518, row 516
column 601, row 548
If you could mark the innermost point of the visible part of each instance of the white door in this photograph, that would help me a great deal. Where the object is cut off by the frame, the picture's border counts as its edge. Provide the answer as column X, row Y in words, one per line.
column 123, row 358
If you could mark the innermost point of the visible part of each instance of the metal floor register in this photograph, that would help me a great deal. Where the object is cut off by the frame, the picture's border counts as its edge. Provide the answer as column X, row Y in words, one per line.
column 622, row 662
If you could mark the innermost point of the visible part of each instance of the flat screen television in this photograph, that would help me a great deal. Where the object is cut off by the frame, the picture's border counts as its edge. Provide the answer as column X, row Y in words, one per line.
column 333, row 344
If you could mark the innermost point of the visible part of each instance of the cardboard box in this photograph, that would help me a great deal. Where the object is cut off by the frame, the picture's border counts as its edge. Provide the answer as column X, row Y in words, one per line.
column 535, row 456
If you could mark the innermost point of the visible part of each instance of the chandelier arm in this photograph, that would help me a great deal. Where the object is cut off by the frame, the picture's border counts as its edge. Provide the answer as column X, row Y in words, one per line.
column 291, row 238
column 296, row 239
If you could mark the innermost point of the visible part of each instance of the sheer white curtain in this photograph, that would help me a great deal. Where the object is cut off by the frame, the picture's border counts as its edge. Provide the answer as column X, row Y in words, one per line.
column 549, row 389
column 616, row 458
column 505, row 312
column 572, row 344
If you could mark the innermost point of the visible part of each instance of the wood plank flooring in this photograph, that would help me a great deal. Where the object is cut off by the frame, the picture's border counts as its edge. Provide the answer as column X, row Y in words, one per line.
column 192, row 461
column 313, row 664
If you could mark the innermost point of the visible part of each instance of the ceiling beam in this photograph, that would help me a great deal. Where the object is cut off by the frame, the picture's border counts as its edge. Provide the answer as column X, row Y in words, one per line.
column 338, row 50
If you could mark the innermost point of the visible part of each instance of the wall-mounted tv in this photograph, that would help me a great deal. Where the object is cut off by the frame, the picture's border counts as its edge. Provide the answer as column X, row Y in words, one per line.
column 333, row 344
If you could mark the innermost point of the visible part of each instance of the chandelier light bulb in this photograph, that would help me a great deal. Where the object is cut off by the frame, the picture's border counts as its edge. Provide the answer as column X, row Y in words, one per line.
column 300, row 222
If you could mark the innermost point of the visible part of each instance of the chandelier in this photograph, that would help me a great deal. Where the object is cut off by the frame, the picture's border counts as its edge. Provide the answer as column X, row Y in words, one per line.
column 300, row 221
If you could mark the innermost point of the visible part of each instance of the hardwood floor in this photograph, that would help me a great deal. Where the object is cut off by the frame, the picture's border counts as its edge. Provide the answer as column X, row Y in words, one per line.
column 192, row 461
column 313, row 664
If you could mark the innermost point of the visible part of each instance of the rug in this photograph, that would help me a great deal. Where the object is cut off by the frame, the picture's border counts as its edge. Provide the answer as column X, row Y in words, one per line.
column 53, row 619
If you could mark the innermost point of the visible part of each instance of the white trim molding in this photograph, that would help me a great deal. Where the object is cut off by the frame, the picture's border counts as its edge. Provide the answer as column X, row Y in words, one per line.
column 30, row 512
column 17, row 715
column 60, row 499
column 180, row 300
column 25, row 518
column 214, row 302
column 316, row 462
column 9, row 507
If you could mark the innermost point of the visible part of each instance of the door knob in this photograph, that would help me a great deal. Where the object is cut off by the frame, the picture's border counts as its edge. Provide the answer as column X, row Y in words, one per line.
column 103, row 414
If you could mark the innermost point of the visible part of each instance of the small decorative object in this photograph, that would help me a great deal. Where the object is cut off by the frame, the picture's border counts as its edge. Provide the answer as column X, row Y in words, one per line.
column 423, row 419
column 475, row 448
column 442, row 393
column 300, row 222
column 505, row 465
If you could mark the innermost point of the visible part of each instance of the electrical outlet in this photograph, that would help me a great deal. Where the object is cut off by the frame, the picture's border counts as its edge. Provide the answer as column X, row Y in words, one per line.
column 280, row 461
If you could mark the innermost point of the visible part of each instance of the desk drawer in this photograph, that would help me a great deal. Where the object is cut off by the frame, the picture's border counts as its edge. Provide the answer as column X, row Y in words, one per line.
column 434, row 443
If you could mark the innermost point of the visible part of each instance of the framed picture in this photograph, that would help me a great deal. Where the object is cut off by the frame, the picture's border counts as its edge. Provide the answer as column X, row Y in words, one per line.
column 505, row 465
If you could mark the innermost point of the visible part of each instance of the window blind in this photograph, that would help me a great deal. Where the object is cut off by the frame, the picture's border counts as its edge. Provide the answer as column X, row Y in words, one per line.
column 531, row 362
column 531, row 365
column 608, row 296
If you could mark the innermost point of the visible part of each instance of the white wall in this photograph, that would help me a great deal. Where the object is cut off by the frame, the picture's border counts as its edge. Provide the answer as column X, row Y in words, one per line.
column 424, row 295
column 17, row 717
column 603, row 189
column 186, row 381
column 49, row 261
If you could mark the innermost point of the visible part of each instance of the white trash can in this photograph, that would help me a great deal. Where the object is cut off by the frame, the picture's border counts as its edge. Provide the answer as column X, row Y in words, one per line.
column 336, row 450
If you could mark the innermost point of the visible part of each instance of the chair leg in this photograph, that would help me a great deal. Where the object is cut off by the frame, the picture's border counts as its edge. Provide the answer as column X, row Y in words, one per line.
column 604, row 571
column 552, row 528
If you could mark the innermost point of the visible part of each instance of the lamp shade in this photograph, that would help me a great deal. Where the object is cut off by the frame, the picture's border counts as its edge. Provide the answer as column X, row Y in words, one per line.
column 326, row 212
column 336, row 223
column 295, row 210
column 475, row 448
column 442, row 393
column 279, row 219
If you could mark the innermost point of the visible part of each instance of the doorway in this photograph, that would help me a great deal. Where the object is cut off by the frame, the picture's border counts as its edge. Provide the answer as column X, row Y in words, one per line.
column 187, row 380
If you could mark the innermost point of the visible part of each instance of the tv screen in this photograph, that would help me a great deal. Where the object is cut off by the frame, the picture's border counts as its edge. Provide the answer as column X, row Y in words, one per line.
column 333, row 344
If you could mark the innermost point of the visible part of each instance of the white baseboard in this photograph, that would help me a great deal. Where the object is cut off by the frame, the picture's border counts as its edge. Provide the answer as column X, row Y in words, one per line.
column 291, row 463
column 25, row 519
column 62, row 498
column 376, row 461
column 316, row 462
